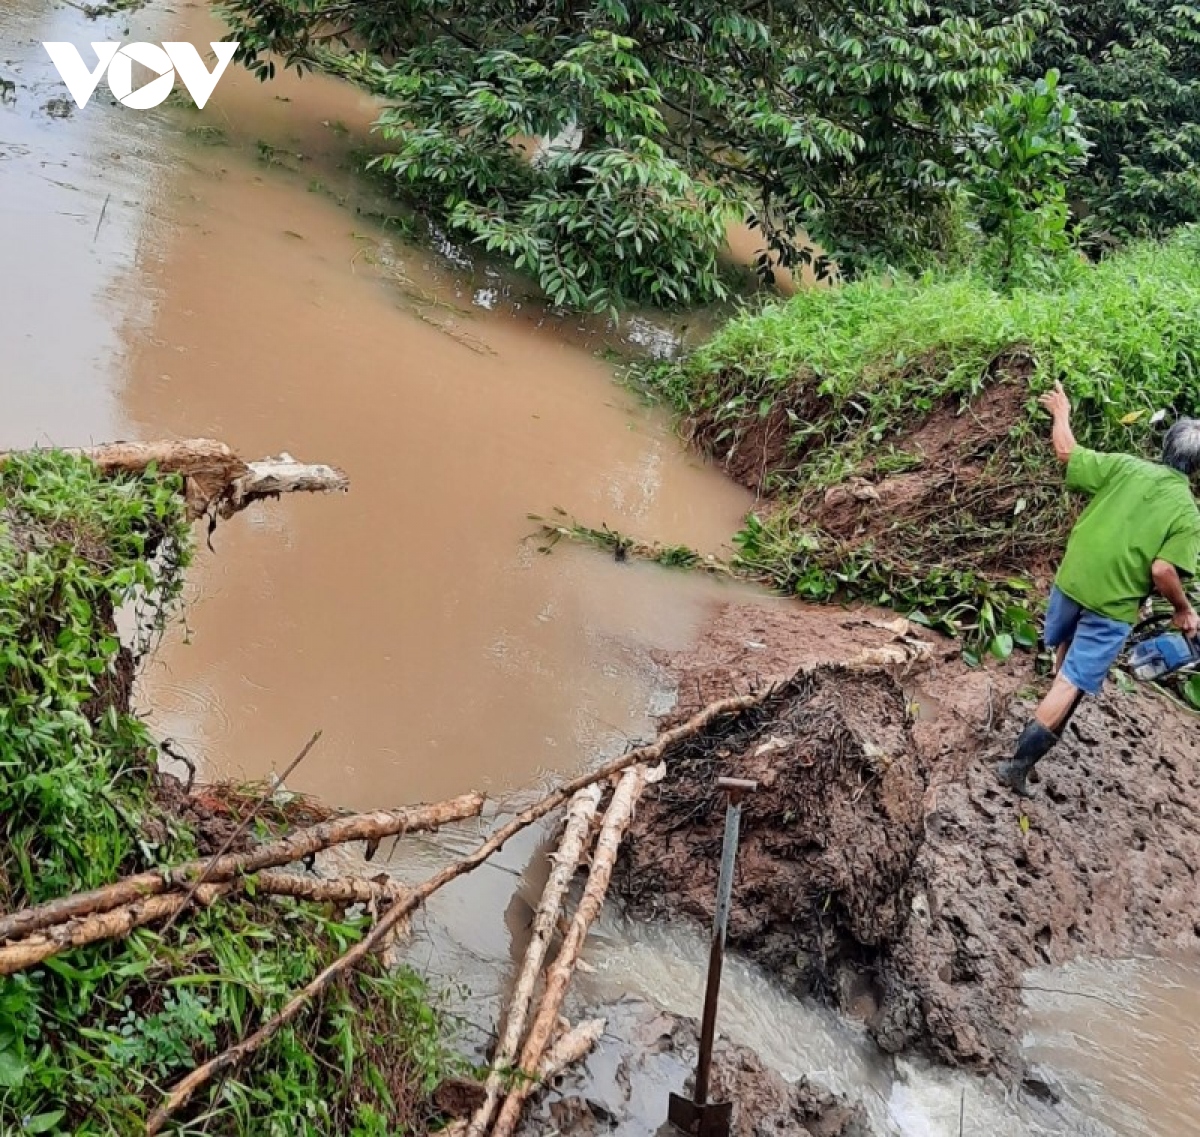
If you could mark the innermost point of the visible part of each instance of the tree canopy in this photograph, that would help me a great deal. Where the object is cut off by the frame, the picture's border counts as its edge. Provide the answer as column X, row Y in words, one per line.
column 603, row 145
column 1134, row 66
column 850, row 125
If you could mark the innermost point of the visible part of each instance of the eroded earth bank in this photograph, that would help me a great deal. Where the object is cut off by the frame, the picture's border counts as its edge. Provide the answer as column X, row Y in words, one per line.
column 881, row 866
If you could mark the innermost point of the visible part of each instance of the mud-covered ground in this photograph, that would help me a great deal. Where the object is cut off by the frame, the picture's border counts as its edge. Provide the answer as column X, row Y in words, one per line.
column 646, row 1054
column 882, row 866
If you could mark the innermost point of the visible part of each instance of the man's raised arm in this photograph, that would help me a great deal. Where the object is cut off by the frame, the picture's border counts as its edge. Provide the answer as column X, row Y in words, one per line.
column 1057, row 403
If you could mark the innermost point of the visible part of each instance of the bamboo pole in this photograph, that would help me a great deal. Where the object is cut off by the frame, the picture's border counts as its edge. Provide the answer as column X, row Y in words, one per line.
column 616, row 821
column 294, row 847
column 379, row 935
column 565, row 860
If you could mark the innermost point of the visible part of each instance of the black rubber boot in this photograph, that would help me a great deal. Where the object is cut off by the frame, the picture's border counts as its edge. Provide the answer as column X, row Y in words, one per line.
column 1034, row 742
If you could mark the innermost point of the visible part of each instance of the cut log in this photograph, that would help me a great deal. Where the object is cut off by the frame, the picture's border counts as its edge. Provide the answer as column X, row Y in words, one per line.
column 344, row 890
column 616, row 821
column 215, row 478
column 271, row 477
column 572, row 1047
column 119, row 922
column 380, row 934
column 565, row 861
column 294, row 847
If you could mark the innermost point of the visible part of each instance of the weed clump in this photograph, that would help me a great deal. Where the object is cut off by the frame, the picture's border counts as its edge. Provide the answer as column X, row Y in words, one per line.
column 890, row 423
column 91, row 1038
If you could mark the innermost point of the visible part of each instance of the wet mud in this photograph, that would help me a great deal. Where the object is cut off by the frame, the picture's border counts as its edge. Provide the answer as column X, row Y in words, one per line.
column 647, row 1054
column 882, row 867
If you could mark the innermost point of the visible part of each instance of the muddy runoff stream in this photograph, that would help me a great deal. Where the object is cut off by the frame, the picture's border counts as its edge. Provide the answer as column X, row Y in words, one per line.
column 176, row 273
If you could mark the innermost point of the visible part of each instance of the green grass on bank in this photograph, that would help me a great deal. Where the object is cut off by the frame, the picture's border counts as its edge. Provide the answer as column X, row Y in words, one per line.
column 849, row 375
column 91, row 1039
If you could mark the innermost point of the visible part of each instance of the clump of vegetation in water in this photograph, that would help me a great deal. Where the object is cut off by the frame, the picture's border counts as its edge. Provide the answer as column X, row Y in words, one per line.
column 891, row 424
column 90, row 1038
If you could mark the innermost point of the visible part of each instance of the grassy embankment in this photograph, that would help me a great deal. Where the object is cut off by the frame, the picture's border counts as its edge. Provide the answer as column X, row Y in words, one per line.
column 90, row 1039
column 891, row 426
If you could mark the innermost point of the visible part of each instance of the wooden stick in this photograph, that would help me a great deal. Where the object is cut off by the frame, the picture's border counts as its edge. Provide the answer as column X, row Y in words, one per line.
column 119, row 922
column 565, row 861
column 182, row 1092
column 294, row 847
column 616, row 821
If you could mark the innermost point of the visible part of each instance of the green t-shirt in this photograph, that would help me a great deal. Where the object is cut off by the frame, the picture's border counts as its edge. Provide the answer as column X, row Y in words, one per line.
column 1140, row 512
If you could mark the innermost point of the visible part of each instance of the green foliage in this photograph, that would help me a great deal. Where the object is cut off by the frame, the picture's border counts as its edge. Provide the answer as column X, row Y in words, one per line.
column 851, row 125
column 89, row 1040
column 95, row 1036
column 1027, row 146
column 855, row 372
column 74, row 769
column 1135, row 69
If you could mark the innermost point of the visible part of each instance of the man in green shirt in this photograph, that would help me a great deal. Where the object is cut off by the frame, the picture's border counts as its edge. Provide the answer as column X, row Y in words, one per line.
column 1139, row 533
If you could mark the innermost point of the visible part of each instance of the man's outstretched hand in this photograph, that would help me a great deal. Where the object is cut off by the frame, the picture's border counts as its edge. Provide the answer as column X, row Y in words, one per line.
column 1056, row 401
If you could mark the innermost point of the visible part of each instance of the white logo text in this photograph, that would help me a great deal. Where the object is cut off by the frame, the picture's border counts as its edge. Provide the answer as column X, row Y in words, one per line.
column 118, row 60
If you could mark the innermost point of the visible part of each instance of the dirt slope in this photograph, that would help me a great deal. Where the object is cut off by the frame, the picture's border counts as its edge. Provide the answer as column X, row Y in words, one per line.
column 883, row 868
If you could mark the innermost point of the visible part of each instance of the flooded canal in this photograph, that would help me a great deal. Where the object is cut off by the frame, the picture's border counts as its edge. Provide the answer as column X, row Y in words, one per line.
column 175, row 273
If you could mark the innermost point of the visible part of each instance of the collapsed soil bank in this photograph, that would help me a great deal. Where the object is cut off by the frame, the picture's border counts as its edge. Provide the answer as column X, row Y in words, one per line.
column 883, row 868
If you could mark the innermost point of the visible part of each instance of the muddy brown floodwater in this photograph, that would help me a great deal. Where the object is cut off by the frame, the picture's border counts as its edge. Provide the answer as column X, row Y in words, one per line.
column 225, row 273
column 411, row 621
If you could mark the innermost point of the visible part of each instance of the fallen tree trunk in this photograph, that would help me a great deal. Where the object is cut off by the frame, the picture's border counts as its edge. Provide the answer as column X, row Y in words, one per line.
column 271, row 477
column 119, row 922
column 295, row 847
column 380, row 934
column 565, row 861
column 215, row 478
column 616, row 821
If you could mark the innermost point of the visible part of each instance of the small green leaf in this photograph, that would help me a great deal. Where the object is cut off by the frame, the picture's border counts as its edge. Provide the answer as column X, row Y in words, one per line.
column 1024, row 824
column 44, row 1122
column 1001, row 646
column 12, row 1069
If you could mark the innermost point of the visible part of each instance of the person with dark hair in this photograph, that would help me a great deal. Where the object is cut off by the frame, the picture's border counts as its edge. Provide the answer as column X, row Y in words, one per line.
column 1139, row 533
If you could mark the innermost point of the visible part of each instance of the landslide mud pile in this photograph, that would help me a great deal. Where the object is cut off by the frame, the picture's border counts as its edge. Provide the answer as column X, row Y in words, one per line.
column 925, row 480
column 883, row 869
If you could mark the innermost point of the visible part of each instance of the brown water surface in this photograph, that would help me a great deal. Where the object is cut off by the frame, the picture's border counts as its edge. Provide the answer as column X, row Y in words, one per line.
column 412, row 621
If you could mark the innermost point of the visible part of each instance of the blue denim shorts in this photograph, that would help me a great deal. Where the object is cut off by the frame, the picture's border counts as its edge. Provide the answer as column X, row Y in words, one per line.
column 1095, row 641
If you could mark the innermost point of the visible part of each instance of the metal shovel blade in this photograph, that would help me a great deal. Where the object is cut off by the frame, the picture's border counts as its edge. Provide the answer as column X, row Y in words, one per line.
column 712, row 1120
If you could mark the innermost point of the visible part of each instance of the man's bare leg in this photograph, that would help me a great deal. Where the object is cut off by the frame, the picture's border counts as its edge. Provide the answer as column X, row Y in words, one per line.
column 1055, row 709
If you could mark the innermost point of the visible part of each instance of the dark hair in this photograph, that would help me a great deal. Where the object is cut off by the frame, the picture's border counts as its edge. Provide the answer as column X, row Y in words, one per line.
column 1181, row 447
